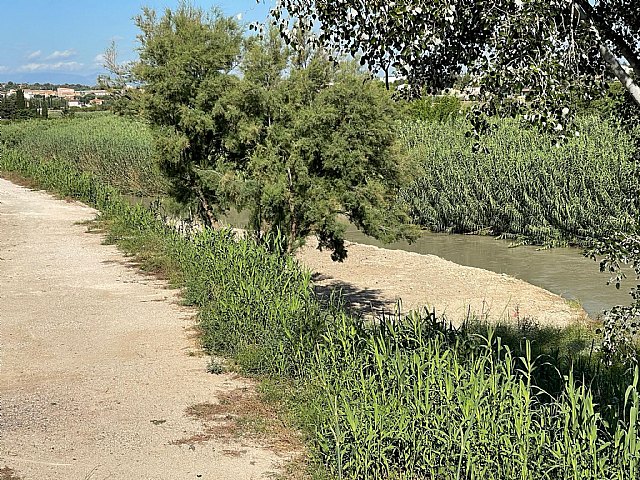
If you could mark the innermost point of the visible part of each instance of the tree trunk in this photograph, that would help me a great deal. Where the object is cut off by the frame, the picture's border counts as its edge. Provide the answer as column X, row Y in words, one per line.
column 587, row 11
column 620, row 72
column 209, row 217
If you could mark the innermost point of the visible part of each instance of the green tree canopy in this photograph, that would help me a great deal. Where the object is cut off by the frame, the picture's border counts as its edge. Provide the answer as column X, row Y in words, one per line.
column 293, row 140
column 557, row 49
column 186, row 56
column 326, row 149
column 21, row 104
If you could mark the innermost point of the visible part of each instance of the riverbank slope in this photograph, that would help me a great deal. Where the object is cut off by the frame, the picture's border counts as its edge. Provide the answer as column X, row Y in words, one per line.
column 374, row 279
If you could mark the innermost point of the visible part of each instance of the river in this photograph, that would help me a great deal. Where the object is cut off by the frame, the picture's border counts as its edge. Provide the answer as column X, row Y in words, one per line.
column 563, row 271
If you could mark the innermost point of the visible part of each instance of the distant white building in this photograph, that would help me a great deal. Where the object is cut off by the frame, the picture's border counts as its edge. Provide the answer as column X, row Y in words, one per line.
column 29, row 94
column 66, row 92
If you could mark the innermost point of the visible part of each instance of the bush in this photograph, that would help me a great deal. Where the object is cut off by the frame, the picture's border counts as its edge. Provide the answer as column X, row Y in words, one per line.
column 442, row 109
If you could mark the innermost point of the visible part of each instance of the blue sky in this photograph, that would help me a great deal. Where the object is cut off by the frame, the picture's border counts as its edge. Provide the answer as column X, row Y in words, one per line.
column 62, row 40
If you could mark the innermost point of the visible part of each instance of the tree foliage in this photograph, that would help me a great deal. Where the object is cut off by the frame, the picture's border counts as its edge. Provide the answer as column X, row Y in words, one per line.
column 186, row 56
column 292, row 139
column 326, row 149
column 556, row 49
column 14, row 107
column 44, row 113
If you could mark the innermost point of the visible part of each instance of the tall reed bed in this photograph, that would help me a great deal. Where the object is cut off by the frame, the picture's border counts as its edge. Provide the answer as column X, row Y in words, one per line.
column 119, row 151
column 523, row 185
column 402, row 397
column 406, row 399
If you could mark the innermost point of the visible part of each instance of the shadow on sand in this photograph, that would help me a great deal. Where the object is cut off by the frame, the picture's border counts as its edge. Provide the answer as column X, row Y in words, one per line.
column 361, row 301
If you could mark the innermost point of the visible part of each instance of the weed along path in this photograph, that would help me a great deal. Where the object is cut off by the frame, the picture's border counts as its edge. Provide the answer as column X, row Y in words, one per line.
column 99, row 372
column 373, row 278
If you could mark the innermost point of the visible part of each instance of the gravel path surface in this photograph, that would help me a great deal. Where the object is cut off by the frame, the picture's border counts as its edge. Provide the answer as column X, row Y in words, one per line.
column 97, row 362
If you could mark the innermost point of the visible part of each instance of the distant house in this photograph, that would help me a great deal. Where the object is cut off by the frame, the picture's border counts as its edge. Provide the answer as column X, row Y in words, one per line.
column 66, row 93
column 74, row 103
column 96, row 101
column 29, row 94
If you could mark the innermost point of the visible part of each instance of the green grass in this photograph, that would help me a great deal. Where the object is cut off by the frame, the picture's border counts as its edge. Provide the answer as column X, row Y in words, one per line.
column 523, row 185
column 400, row 397
column 117, row 150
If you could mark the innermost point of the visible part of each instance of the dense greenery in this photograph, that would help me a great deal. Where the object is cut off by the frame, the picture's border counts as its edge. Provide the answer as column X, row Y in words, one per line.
column 117, row 150
column 442, row 108
column 522, row 185
column 14, row 107
column 322, row 144
column 186, row 59
column 554, row 53
column 396, row 398
column 295, row 142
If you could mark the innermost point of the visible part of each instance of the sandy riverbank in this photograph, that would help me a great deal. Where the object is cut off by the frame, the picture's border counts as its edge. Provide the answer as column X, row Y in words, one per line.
column 375, row 278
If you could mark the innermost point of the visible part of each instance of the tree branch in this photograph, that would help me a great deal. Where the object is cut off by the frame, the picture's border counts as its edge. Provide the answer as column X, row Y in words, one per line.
column 620, row 72
column 587, row 10
column 606, row 32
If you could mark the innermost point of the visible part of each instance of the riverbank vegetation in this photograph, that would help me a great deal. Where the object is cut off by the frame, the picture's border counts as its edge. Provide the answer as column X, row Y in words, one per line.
column 118, row 150
column 402, row 397
column 522, row 185
column 296, row 142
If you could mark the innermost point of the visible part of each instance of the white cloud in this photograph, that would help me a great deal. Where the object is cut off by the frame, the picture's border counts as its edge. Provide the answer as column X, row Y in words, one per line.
column 50, row 67
column 61, row 54
column 3, row 68
column 35, row 54
column 239, row 16
column 99, row 59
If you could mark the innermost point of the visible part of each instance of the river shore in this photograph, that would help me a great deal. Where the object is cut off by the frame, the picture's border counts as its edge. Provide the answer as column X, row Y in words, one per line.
column 374, row 279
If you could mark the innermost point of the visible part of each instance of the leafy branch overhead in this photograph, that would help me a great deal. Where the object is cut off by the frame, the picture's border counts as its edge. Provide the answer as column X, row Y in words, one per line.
column 555, row 50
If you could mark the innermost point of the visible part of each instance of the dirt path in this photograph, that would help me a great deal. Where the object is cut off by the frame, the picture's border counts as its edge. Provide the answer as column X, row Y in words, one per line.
column 96, row 363
column 374, row 278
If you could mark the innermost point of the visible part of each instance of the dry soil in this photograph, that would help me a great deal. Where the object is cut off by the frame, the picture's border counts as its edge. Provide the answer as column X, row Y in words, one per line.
column 374, row 279
column 99, row 372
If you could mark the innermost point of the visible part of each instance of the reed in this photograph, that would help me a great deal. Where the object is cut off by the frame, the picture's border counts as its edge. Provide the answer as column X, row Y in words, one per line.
column 407, row 399
column 117, row 150
column 523, row 185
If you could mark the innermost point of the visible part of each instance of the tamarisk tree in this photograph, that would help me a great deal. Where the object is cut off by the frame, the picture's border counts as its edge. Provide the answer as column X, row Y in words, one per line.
column 319, row 144
column 294, row 140
column 186, row 57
